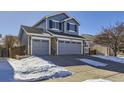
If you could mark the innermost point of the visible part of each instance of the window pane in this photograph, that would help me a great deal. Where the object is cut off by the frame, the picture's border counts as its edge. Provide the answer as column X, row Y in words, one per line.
column 60, row 26
column 50, row 23
column 57, row 25
column 71, row 27
column 68, row 26
column 76, row 28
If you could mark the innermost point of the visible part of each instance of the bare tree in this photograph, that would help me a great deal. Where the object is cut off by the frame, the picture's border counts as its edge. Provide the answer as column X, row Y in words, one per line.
column 112, row 37
column 11, row 41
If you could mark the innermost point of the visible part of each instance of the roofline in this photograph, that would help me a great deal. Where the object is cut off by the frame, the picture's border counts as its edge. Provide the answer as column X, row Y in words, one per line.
column 50, row 15
column 72, row 18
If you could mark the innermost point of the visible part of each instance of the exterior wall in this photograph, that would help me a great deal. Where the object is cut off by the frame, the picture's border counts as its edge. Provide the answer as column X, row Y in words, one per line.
column 100, row 50
column 24, row 39
column 59, row 18
column 42, row 25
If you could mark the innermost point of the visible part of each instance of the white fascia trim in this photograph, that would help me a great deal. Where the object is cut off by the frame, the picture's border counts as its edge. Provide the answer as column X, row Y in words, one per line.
column 39, row 21
column 57, row 13
column 28, row 45
column 72, row 18
column 53, row 29
column 68, row 37
column 82, row 47
column 70, row 40
column 54, row 20
column 25, row 31
column 42, row 35
column 41, row 38
column 46, row 24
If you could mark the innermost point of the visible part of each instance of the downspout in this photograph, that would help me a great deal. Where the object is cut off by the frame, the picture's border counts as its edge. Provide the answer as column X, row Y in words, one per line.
column 46, row 25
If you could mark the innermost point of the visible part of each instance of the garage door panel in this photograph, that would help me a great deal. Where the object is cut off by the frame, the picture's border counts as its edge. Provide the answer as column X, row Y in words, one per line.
column 40, row 47
column 69, row 48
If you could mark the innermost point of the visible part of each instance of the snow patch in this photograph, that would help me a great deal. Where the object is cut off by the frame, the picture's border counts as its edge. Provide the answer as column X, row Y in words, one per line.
column 111, row 58
column 35, row 68
column 92, row 62
column 97, row 80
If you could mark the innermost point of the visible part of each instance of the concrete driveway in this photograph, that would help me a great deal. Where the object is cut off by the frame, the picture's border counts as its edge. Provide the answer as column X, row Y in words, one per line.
column 82, row 71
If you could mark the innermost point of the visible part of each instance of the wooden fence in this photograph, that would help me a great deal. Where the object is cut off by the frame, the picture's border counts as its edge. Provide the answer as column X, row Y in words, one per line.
column 21, row 50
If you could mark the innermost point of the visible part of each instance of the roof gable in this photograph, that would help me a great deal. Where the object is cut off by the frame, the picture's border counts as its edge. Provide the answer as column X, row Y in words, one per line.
column 72, row 18
column 58, row 13
column 51, row 15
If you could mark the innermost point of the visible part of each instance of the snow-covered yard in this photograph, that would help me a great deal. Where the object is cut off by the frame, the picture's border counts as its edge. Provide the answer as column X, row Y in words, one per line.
column 111, row 58
column 35, row 68
column 97, row 80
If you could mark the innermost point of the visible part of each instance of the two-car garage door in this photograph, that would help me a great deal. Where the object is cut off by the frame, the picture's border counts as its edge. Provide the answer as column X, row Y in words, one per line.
column 69, row 47
column 40, row 47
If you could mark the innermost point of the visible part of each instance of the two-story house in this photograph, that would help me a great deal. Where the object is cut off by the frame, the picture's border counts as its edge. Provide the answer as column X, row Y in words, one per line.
column 56, row 34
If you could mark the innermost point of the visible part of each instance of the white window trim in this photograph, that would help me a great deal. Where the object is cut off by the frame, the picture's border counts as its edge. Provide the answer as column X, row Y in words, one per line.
column 41, row 38
column 55, row 24
column 71, row 24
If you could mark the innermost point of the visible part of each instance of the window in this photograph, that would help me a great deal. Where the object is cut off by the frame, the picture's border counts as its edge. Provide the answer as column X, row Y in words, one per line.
column 55, row 24
column 72, row 27
column 73, row 42
column 36, row 40
column 67, row 41
column 78, row 42
column 44, row 40
column 60, row 41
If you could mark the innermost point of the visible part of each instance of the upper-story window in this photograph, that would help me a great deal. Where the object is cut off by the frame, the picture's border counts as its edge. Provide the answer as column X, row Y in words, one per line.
column 55, row 25
column 72, row 27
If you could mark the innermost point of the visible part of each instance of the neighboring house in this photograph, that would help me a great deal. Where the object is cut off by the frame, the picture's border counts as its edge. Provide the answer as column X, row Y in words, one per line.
column 88, row 43
column 2, row 45
column 1, row 40
column 101, row 49
column 56, row 34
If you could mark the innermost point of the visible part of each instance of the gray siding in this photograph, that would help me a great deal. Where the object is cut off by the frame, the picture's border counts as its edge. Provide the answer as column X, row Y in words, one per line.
column 60, row 18
column 42, row 25
column 24, row 39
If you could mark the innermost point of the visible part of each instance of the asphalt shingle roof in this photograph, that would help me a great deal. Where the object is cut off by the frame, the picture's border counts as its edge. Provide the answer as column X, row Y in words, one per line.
column 41, row 31
column 34, row 30
column 64, row 34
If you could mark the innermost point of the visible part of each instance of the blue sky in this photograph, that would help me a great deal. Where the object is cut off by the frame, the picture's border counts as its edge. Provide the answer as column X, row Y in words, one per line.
column 91, row 22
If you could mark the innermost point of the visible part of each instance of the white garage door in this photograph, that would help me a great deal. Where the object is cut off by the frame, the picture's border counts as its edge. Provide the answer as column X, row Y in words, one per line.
column 40, row 47
column 69, row 47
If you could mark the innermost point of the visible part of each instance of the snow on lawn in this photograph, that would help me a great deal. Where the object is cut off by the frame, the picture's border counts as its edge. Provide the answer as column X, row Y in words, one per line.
column 111, row 58
column 35, row 68
column 92, row 62
column 97, row 80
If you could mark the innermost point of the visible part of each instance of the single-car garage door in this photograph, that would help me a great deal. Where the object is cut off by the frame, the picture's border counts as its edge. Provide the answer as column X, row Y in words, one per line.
column 40, row 47
column 69, row 47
